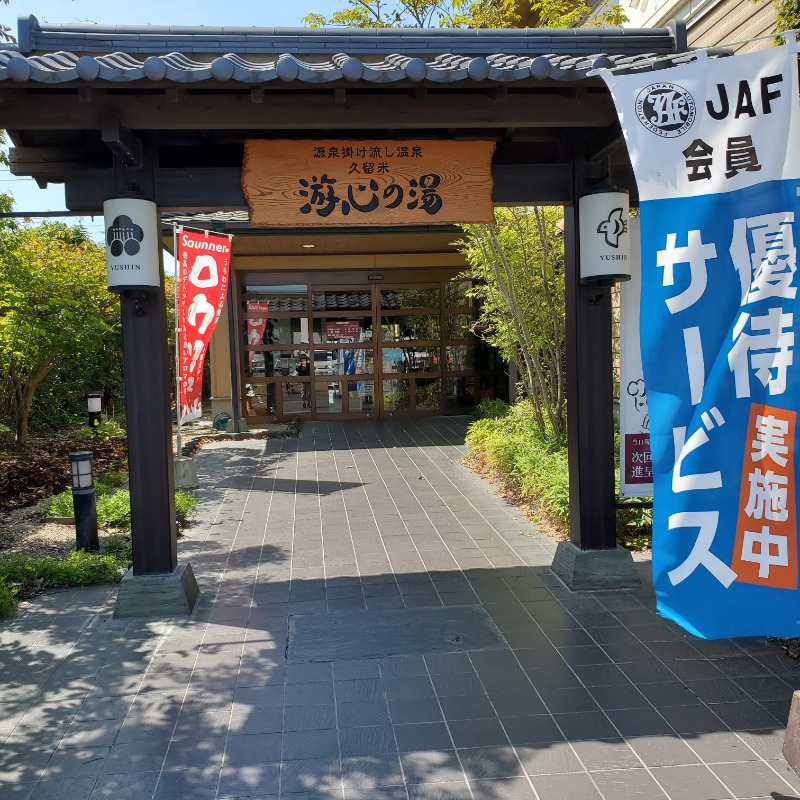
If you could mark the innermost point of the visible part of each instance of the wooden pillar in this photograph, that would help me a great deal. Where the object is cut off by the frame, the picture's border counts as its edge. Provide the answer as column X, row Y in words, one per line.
column 591, row 559
column 149, row 423
column 590, row 412
column 147, row 392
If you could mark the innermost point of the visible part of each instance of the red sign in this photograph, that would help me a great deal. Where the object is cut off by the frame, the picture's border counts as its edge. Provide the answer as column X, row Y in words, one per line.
column 336, row 331
column 765, row 552
column 257, row 326
column 638, row 463
column 204, row 261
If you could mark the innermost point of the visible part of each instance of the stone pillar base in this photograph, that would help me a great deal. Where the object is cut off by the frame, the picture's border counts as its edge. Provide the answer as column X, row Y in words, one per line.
column 221, row 405
column 168, row 595
column 594, row 570
column 185, row 473
column 791, row 741
column 243, row 427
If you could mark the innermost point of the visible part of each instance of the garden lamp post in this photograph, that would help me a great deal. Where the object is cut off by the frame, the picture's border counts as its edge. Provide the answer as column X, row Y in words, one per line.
column 84, row 501
column 95, row 406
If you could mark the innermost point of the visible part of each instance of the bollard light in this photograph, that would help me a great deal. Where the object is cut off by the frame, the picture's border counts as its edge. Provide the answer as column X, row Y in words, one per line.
column 82, row 466
column 83, row 500
column 95, row 407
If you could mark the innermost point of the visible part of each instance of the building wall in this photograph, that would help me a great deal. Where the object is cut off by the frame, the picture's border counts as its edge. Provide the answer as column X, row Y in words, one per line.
column 708, row 22
column 219, row 354
column 735, row 20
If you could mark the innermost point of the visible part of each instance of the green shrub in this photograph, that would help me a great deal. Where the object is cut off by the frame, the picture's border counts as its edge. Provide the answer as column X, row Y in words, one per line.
column 112, row 479
column 538, row 467
column 185, row 506
column 491, row 408
column 25, row 576
column 513, row 446
column 114, row 507
column 22, row 576
column 109, row 429
column 60, row 505
column 118, row 547
column 7, row 600
column 106, row 431
column 114, row 510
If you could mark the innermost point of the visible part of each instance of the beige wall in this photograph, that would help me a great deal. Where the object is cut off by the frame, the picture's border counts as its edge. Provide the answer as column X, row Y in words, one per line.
column 733, row 21
column 219, row 354
column 303, row 263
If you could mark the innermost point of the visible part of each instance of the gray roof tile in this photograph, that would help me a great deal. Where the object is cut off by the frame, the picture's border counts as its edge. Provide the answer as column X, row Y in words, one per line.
column 192, row 54
column 35, row 37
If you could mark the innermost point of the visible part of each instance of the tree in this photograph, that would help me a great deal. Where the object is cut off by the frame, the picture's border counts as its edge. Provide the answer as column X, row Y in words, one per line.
column 518, row 268
column 420, row 14
column 463, row 14
column 5, row 31
column 788, row 18
column 54, row 306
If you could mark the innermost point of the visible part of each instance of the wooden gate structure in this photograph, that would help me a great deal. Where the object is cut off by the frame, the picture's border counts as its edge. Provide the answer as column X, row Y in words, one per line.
column 164, row 113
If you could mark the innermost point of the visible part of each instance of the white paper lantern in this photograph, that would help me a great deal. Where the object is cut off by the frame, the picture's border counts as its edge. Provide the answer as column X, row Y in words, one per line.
column 604, row 238
column 132, row 244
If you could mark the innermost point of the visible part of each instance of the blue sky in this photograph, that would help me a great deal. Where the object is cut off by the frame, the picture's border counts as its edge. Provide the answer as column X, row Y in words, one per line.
column 268, row 13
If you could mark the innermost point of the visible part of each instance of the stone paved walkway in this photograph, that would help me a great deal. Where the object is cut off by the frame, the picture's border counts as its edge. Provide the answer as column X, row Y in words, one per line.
column 342, row 542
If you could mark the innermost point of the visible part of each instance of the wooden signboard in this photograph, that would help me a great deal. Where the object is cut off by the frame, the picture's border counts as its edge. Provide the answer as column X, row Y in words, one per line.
column 364, row 182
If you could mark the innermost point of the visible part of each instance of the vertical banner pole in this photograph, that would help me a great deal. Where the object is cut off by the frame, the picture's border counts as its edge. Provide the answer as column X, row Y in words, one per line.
column 175, row 230
column 233, row 333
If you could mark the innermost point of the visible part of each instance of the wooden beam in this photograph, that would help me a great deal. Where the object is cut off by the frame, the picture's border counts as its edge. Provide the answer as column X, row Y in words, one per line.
column 301, row 111
column 221, row 189
column 122, row 143
column 48, row 163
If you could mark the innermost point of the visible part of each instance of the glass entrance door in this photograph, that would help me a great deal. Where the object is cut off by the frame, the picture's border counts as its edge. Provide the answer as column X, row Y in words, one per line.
column 356, row 350
column 411, row 352
column 343, row 351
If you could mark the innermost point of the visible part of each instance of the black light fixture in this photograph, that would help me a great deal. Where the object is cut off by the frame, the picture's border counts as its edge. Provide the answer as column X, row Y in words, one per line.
column 94, row 401
column 84, row 500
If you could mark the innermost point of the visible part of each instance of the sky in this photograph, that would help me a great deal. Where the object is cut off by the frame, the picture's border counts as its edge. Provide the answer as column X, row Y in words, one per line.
column 263, row 13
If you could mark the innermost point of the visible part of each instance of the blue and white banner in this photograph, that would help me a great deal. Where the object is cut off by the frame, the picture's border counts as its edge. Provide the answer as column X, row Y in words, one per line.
column 716, row 153
column 635, row 464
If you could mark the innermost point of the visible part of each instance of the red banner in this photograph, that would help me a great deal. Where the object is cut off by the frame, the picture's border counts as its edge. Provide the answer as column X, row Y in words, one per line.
column 203, row 273
column 256, row 326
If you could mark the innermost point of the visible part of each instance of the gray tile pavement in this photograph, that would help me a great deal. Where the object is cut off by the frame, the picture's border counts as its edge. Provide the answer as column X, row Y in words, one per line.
column 578, row 696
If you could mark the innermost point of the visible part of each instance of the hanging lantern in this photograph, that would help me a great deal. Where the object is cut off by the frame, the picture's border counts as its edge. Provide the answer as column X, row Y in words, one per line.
column 132, row 244
column 604, row 237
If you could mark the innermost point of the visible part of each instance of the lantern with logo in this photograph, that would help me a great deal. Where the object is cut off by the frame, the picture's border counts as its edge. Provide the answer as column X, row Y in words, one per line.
column 132, row 246
column 604, row 237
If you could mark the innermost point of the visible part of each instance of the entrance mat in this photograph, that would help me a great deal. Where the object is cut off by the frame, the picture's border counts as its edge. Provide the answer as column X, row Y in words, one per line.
column 341, row 635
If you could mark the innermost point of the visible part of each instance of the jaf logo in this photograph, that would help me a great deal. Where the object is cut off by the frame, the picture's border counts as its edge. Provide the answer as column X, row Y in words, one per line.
column 124, row 235
column 613, row 227
column 666, row 109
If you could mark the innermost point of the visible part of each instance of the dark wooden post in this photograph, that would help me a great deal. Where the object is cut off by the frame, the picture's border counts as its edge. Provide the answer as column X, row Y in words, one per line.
column 591, row 559
column 157, row 585
column 147, row 384
column 590, row 411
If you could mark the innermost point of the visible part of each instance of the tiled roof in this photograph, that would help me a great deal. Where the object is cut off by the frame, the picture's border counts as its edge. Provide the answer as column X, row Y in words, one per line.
column 63, row 67
column 54, row 54
column 39, row 37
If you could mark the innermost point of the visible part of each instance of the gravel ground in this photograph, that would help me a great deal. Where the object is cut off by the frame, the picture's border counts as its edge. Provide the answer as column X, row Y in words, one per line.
column 27, row 531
